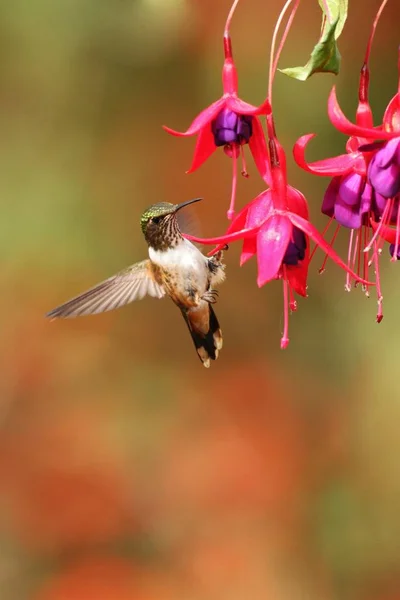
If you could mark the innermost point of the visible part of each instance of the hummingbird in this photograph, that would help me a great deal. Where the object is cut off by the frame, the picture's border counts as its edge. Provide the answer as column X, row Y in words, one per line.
column 175, row 268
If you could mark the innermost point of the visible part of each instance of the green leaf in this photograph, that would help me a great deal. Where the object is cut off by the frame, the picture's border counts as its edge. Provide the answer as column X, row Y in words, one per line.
column 325, row 57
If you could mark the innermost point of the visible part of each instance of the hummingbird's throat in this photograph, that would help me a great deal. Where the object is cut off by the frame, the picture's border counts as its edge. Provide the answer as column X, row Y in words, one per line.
column 165, row 234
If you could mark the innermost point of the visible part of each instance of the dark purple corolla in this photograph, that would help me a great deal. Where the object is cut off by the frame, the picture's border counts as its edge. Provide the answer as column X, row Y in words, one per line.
column 296, row 249
column 230, row 128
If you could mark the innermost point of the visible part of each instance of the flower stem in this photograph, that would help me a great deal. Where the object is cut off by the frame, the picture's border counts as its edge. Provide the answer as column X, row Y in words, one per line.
column 364, row 113
column 227, row 37
column 274, row 58
column 372, row 34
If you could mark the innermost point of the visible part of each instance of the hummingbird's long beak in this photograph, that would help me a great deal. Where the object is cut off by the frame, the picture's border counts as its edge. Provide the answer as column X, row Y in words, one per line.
column 182, row 204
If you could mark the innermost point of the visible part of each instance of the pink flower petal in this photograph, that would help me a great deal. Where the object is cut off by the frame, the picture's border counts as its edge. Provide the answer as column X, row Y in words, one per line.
column 329, row 167
column 223, row 239
column 202, row 120
column 258, row 149
column 237, row 224
column 259, row 209
column 341, row 122
column 272, row 242
column 296, row 202
column 310, row 230
column 249, row 249
column 297, row 276
column 205, row 146
column 243, row 108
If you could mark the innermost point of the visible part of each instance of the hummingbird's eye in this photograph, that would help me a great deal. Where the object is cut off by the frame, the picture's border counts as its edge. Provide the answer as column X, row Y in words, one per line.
column 156, row 220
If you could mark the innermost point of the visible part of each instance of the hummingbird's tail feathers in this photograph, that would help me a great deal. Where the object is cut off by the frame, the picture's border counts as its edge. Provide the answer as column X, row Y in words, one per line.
column 205, row 331
column 130, row 284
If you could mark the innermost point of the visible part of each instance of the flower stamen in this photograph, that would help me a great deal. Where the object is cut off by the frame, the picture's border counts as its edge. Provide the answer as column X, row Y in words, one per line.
column 313, row 251
column 231, row 212
column 384, row 220
column 322, row 268
column 396, row 242
column 379, row 315
column 285, row 336
column 347, row 285
column 244, row 172
column 356, row 256
column 292, row 301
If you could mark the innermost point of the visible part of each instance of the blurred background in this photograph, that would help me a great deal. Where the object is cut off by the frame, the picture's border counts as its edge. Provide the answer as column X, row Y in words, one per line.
column 127, row 470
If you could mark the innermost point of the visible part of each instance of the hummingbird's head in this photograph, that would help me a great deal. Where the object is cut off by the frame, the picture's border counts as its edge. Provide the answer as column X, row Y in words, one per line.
column 160, row 226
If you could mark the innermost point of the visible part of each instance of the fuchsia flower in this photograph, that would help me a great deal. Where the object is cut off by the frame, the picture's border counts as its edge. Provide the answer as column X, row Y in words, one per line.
column 351, row 197
column 229, row 122
column 275, row 226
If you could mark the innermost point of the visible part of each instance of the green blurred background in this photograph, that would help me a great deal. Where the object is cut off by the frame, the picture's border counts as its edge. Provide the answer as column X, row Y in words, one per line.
column 127, row 470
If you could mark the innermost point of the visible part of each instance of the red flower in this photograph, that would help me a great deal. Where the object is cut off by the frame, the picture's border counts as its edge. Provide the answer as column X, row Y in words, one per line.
column 350, row 199
column 229, row 122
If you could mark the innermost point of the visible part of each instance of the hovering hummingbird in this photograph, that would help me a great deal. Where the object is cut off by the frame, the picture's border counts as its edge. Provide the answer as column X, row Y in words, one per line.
column 175, row 268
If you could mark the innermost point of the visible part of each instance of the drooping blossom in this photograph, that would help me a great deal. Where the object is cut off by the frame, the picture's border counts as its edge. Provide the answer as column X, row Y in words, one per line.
column 230, row 123
column 350, row 199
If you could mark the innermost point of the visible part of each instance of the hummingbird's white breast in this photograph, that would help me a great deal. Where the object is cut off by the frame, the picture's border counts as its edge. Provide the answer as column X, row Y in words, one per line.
column 185, row 261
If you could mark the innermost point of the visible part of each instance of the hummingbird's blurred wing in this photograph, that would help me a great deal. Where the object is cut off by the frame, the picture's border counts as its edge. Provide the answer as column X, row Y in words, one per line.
column 126, row 286
column 188, row 222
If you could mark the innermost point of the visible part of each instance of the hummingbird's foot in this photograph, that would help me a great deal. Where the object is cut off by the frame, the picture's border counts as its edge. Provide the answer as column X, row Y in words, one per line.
column 218, row 256
column 210, row 296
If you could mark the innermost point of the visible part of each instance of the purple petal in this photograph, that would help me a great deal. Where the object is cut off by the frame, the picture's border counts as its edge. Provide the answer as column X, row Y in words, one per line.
column 331, row 193
column 379, row 204
column 366, row 199
column 350, row 188
column 225, row 136
column 226, row 119
column 346, row 215
column 385, row 181
column 388, row 154
column 244, row 129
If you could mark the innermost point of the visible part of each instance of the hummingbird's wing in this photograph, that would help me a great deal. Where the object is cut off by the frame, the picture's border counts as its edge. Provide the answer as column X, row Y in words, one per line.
column 189, row 223
column 126, row 286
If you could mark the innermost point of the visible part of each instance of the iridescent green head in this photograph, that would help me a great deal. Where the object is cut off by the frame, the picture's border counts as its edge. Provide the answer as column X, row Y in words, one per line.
column 157, row 213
